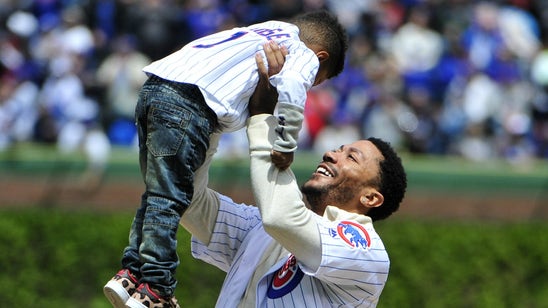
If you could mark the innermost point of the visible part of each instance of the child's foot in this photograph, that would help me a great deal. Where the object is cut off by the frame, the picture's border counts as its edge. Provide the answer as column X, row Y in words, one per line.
column 145, row 297
column 120, row 288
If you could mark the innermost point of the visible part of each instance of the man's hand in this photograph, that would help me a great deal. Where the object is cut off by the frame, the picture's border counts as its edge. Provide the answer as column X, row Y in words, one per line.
column 265, row 97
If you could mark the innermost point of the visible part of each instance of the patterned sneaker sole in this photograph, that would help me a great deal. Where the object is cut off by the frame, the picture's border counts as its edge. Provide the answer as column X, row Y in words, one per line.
column 116, row 294
column 133, row 303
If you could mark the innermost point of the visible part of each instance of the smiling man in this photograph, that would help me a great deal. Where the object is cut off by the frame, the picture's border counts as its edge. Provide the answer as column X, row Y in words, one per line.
column 288, row 253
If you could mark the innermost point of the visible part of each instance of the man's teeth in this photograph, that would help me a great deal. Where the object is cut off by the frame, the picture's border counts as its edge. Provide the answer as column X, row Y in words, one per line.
column 324, row 171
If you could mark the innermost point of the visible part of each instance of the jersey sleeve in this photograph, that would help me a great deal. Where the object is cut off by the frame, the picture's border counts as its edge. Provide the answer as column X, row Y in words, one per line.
column 290, row 120
column 234, row 222
column 297, row 75
column 217, row 223
column 199, row 218
column 352, row 254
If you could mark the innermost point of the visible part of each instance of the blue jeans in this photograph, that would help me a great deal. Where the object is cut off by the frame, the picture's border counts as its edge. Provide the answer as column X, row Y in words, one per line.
column 174, row 124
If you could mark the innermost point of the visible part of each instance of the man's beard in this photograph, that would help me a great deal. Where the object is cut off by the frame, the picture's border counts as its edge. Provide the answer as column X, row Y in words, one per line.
column 319, row 197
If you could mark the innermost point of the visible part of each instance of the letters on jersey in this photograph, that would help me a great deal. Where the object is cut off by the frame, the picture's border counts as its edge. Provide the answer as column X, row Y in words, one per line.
column 270, row 34
column 352, row 234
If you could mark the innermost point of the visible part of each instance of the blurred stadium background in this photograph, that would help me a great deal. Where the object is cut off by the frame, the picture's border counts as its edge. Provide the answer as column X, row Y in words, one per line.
column 459, row 87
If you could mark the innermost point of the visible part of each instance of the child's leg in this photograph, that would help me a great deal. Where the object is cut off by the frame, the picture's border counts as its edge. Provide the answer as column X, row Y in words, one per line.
column 131, row 259
column 178, row 126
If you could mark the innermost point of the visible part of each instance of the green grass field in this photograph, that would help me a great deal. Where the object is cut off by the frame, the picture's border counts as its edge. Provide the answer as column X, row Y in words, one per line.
column 61, row 258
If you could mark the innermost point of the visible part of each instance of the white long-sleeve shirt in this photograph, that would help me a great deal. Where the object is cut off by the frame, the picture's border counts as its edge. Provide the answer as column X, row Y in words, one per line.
column 306, row 260
column 223, row 66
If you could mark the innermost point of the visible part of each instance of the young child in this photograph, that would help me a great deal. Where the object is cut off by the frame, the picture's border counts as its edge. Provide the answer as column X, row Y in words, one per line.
column 201, row 89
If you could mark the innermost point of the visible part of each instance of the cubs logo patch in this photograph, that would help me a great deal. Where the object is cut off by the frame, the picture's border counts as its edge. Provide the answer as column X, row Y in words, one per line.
column 285, row 279
column 352, row 234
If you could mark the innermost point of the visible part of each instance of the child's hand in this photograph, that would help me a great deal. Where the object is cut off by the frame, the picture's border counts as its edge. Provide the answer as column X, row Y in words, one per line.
column 281, row 160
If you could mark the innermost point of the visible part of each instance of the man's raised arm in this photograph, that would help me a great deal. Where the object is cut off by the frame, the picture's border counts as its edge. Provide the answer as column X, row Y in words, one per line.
column 284, row 214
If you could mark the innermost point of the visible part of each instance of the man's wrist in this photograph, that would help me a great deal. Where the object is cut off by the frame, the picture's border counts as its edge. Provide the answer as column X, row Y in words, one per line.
column 263, row 106
column 259, row 111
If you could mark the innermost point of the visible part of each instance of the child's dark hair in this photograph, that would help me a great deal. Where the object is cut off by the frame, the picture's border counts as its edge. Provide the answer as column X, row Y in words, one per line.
column 392, row 181
column 322, row 28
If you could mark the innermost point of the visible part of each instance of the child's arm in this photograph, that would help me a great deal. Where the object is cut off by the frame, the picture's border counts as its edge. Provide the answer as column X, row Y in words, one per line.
column 290, row 118
column 294, row 80
column 275, row 56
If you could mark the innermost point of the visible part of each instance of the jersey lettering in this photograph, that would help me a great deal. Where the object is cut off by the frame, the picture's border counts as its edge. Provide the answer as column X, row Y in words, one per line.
column 270, row 34
column 233, row 37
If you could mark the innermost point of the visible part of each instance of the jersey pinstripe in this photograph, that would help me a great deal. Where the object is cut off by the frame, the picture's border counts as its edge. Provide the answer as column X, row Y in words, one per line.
column 349, row 275
column 222, row 65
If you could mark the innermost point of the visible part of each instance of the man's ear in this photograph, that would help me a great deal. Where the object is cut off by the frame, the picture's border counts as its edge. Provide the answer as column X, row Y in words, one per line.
column 372, row 199
column 322, row 55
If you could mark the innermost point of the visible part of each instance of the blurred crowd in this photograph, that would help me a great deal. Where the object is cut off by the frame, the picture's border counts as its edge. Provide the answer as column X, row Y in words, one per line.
column 440, row 77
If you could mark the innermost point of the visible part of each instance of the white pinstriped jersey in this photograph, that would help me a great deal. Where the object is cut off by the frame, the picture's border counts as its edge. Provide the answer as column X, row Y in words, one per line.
column 223, row 66
column 353, row 270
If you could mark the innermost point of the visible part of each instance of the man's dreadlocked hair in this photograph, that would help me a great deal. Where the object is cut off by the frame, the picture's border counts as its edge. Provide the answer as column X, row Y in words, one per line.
column 392, row 181
column 323, row 29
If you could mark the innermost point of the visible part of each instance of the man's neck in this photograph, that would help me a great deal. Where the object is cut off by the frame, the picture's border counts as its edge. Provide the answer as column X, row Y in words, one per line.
column 316, row 204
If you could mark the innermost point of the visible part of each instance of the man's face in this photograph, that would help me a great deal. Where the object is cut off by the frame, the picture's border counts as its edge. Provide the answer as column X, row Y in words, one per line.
column 342, row 174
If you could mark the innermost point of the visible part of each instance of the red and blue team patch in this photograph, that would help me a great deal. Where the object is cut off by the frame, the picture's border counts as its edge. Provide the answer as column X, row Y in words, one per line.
column 352, row 234
column 285, row 279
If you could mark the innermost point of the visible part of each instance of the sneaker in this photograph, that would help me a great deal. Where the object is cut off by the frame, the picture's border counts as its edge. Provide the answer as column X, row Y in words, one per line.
column 145, row 297
column 120, row 288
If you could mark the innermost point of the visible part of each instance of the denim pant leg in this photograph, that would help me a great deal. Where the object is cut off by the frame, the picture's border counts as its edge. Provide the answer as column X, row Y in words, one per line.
column 174, row 127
